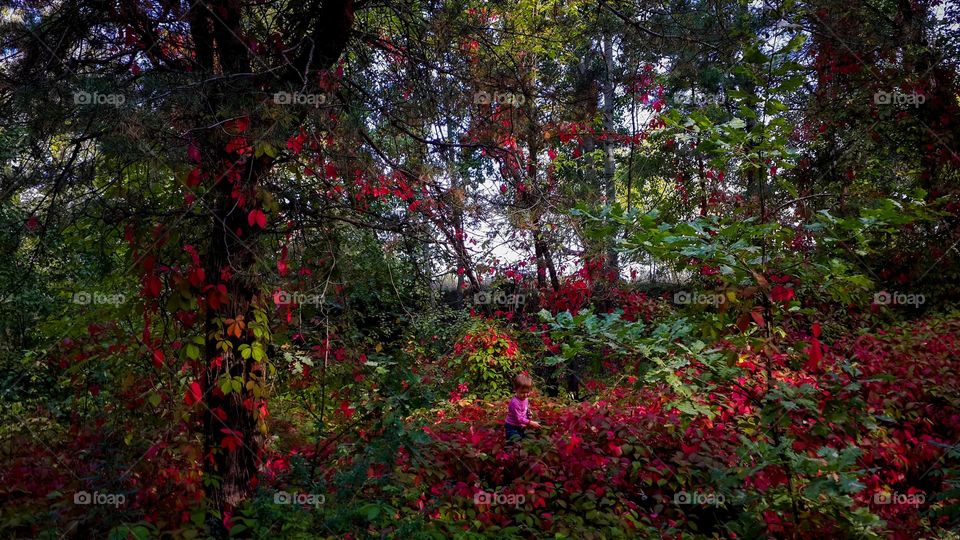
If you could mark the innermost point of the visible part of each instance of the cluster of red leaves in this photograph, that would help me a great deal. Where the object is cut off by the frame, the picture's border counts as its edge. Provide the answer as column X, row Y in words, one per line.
column 921, row 365
column 631, row 450
column 483, row 339
column 586, row 453
column 581, row 290
column 162, row 484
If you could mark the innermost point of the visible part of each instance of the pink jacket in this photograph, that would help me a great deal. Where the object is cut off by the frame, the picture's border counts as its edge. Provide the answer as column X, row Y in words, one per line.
column 518, row 412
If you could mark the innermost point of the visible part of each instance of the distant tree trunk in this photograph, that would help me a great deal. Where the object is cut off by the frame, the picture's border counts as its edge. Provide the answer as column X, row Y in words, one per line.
column 531, row 201
column 940, row 129
column 612, row 263
column 457, row 186
column 585, row 98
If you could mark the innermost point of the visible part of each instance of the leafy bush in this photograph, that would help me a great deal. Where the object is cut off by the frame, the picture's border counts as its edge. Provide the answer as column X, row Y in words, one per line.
column 486, row 359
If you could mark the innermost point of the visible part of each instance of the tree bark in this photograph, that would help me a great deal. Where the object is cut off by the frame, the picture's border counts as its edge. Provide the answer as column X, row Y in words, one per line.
column 216, row 29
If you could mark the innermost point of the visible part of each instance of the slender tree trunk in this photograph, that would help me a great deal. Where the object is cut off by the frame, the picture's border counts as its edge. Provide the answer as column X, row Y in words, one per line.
column 530, row 199
column 612, row 265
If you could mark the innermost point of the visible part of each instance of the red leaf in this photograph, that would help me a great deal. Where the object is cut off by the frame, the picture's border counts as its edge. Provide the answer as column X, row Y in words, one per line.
column 814, row 353
column 197, row 277
column 757, row 317
column 232, row 441
column 152, row 286
column 158, row 358
column 193, row 179
column 237, row 145
column 346, row 409
column 194, row 393
column 219, row 413
column 216, row 296
column 779, row 293
column 239, row 125
column 295, row 143
column 256, row 216
column 193, row 153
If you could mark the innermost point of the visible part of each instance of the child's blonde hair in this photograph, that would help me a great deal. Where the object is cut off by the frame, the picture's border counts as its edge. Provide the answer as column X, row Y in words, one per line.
column 522, row 382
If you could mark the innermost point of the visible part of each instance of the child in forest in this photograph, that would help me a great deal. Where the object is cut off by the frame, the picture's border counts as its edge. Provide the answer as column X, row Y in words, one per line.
column 518, row 411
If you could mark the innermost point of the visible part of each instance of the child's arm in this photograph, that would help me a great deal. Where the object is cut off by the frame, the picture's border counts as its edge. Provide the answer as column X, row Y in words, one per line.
column 530, row 422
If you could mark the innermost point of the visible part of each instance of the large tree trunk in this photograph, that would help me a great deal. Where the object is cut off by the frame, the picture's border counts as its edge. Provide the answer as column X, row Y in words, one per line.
column 216, row 30
column 235, row 469
column 229, row 473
